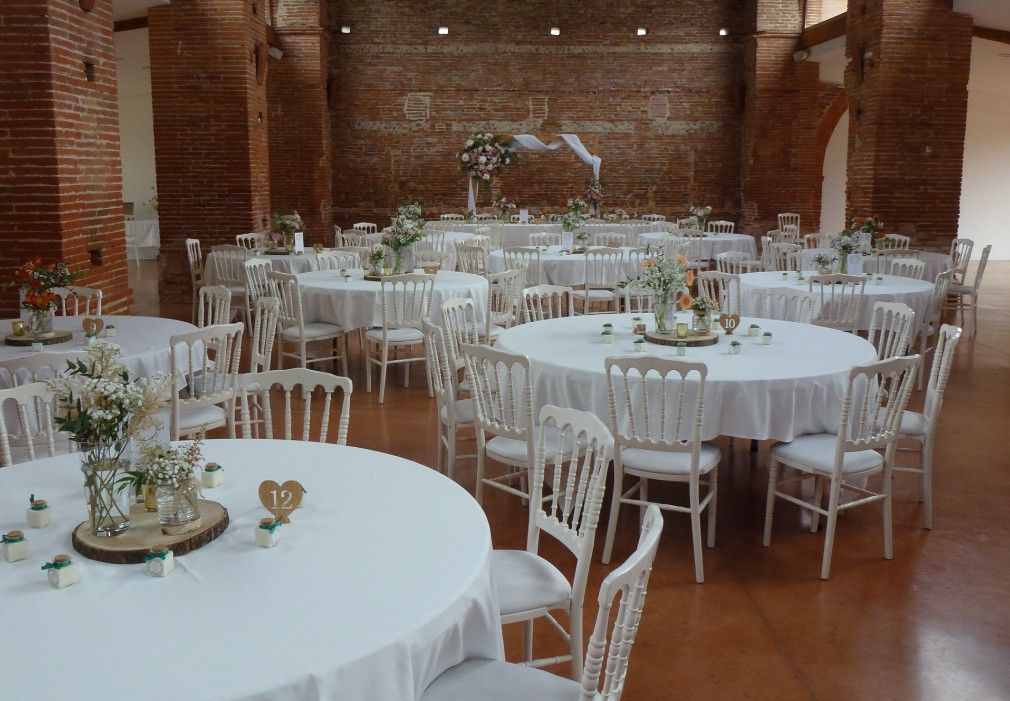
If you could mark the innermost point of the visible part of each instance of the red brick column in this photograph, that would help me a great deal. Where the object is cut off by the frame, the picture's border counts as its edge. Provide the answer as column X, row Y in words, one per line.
column 300, row 146
column 60, row 176
column 210, row 127
column 908, row 99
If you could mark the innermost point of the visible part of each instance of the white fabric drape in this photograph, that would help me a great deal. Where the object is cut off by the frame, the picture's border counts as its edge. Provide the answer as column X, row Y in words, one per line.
column 532, row 143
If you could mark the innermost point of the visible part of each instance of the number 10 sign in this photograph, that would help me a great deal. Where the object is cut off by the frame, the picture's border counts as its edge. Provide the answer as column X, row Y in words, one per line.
column 281, row 499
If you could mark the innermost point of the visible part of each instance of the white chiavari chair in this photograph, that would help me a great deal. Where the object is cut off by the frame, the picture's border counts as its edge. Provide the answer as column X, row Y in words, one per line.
column 653, row 217
column 543, row 238
column 784, row 305
column 337, row 260
column 656, row 412
column 577, row 448
column 484, row 679
column 505, row 291
column 337, row 236
column 307, row 382
column 406, row 302
column 931, row 321
column 638, row 299
column 366, row 226
column 453, row 413
column 875, row 399
column 966, row 296
column 960, row 255
column 528, row 259
column 894, row 241
column 452, row 217
column 79, row 301
column 789, row 224
column 228, row 263
column 429, row 259
column 604, row 272
column 921, row 426
column 460, row 323
column 206, row 363
column 481, row 240
column 38, row 367
column 720, row 226
column 356, row 239
column 767, row 259
column 840, row 300
column 908, row 267
column 261, row 347
column 786, row 256
column 495, row 231
column 195, row 259
column 483, row 216
column 330, row 339
column 214, row 306
column 257, row 284
column 608, row 238
column 736, row 263
column 432, row 241
column 33, row 406
column 722, row 289
column 514, row 219
column 251, row 240
column 362, row 253
column 472, row 259
column 547, row 302
column 880, row 261
column 891, row 327
column 686, row 223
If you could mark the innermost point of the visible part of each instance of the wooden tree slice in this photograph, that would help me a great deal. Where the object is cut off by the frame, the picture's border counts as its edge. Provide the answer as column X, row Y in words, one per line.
column 58, row 336
column 693, row 339
column 145, row 532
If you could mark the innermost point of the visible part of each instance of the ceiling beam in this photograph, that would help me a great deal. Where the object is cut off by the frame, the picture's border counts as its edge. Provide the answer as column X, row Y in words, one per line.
column 823, row 31
column 1000, row 35
column 125, row 25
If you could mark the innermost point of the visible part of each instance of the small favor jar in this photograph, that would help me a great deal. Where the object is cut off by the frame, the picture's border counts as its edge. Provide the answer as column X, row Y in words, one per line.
column 268, row 532
column 159, row 561
column 346, row 276
column 110, row 331
column 607, row 336
column 36, row 346
column 62, row 572
column 681, row 348
column 212, row 476
column 734, row 348
column 879, row 281
column 38, row 515
column 15, row 546
column 753, row 330
column 638, row 326
column 639, row 345
column 682, row 329
column 766, row 338
column 89, row 339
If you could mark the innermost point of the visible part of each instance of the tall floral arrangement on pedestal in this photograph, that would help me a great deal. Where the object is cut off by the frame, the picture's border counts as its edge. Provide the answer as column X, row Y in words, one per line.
column 484, row 155
column 37, row 281
column 103, row 409
column 287, row 223
column 573, row 219
column 406, row 230
column 701, row 213
column 667, row 279
column 594, row 195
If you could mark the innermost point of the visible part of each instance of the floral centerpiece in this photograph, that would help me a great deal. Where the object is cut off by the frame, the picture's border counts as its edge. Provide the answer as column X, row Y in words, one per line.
column 667, row 279
column 574, row 218
column 823, row 261
column 504, row 207
column 484, row 155
column 616, row 215
column 594, row 195
column 867, row 225
column 701, row 212
column 406, row 231
column 37, row 281
column 701, row 309
column 375, row 258
column 103, row 410
column 846, row 243
column 287, row 223
column 173, row 472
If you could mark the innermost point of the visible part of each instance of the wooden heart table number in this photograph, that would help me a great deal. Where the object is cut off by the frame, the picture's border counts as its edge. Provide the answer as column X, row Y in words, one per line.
column 729, row 322
column 281, row 499
column 92, row 327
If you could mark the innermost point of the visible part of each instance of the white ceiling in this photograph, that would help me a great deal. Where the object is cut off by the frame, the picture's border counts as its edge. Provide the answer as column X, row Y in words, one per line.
column 129, row 9
column 994, row 14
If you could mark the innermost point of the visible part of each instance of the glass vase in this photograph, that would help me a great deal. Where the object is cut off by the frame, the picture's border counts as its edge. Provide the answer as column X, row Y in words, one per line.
column 178, row 505
column 40, row 321
column 663, row 309
column 397, row 262
column 701, row 322
column 103, row 464
column 843, row 263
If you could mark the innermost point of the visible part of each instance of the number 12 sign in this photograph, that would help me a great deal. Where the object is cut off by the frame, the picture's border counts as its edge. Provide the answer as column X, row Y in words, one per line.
column 281, row 499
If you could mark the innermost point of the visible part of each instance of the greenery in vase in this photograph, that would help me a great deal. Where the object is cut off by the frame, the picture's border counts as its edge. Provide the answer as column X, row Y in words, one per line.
column 846, row 243
column 702, row 306
column 701, row 213
column 867, row 225
column 504, row 206
column 170, row 465
column 573, row 218
column 823, row 261
column 37, row 281
column 666, row 278
column 287, row 223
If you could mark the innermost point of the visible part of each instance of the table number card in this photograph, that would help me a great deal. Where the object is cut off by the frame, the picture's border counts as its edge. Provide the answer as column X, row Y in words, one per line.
column 524, row 216
column 729, row 322
column 92, row 327
column 299, row 242
column 281, row 499
column 567, row 240
column 855, row 264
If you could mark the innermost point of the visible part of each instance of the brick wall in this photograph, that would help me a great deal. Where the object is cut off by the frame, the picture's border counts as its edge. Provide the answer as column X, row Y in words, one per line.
column 908, row 110
column 300, row 146
column 60, row 177
column 210, row 126
column 597, row 78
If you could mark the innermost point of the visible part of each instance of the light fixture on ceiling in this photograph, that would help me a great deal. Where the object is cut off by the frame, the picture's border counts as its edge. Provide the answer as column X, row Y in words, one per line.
column 345, row 29
column 555, row 31
column 723, row 32
column 443, row 30
column 642, row 31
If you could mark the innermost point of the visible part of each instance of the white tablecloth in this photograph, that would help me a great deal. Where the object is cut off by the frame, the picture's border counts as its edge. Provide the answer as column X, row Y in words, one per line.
column 357, row 304
column 935, row 262
column 144, row 340
column 914, row 293
column 711, row 244
column 380, row 583
column 557, row 268
column 143, row 238
column 791, row 387
column 519, row 234
column 291, row 264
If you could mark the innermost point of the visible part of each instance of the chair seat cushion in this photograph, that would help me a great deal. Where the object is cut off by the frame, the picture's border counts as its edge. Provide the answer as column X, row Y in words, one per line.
column 913, row 423
column 464, row 411
column 196, row 417
column 19, row 452
column 496, row 331
column 525, row 581
column 494, row 680
column 512, row 451
column 404, row 335
column 817, row 451
column 316, row 329
column 661, row 462
column 596, row 294
column 956, row 288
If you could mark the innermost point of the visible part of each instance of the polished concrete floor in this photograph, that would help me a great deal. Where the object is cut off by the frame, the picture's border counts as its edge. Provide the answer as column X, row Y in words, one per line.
column 933, row 623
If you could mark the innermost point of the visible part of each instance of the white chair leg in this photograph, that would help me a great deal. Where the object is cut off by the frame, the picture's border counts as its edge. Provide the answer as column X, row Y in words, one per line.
column 383, row 368
column 441, row 447
column 643, row 494
column 829, row 530
column 528, row 640
column 713, row 489
column 773, row 469
column 888, row 530
column 343, row 354
column 368, row 367
column 615, row 510
column 699, row 568
column 478, row 490
column 450, row 461
column 927, row 484
column 575, row 641
column 815, row 518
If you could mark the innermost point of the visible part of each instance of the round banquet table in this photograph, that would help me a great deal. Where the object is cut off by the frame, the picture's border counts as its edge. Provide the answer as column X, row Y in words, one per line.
column 568, row 269
column 144, row 340
column 380, row 582
column 290, row 264
column 936, row 263
column 914, row 293
column 711, row 244
column 357, row 303
column 789, row 388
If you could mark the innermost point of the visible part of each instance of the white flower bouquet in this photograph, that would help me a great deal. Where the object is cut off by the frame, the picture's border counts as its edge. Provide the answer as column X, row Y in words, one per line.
column 485, row 154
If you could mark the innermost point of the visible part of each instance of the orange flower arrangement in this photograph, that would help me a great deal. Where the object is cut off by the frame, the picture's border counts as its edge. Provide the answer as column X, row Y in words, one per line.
column 37, row 280
column 686, row 300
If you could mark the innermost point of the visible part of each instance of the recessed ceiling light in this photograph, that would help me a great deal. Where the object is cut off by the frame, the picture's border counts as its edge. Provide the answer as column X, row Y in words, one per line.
column 723, row 32
column 443, row 30
column 555, row 31
column 642, row 31
column 345, row 29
